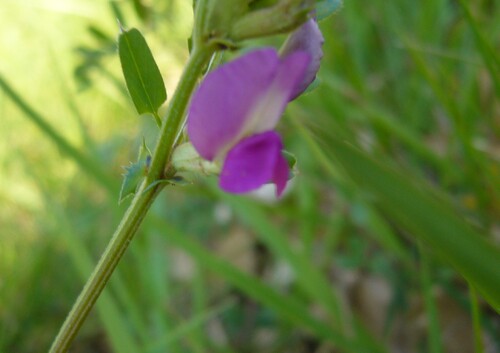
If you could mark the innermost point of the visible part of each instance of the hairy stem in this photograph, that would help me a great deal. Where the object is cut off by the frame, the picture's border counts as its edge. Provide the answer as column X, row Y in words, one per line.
column 140, row 204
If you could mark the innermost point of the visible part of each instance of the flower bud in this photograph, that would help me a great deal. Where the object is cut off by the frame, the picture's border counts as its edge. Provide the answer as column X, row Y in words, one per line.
column 281, row 17
column 220, row 15
column 228, row 22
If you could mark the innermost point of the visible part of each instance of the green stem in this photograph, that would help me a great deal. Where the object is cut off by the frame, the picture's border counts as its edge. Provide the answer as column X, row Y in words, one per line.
column 176, row 110
column 201, row 12
column 140, row 204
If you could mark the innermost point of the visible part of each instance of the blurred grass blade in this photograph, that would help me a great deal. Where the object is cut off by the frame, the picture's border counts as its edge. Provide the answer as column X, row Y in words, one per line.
column 143, row 78
column 309, row 277
column 490, row 57
column 117, row 12
column 418, row 210
column 377, row 224
column 382, row 232
column 142, row 10
column 433, row 330
column 325, row 8
column 476, row 321
column 285, row 306
column 184, row 329
column 385, row 121
column 85, row 163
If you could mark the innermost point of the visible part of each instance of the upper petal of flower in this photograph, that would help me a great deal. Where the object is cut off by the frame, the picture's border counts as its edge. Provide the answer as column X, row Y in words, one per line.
column 307, row 38
column 220, row 107
column 241, row 98
column 253, row 162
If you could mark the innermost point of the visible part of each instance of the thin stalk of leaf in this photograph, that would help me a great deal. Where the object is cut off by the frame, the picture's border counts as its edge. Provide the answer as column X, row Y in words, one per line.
column 140, row 204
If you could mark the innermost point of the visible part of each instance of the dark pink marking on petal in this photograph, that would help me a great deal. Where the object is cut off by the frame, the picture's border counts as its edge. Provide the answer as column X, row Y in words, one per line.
column 220, row 106
column 253, row 162
column 307, row 38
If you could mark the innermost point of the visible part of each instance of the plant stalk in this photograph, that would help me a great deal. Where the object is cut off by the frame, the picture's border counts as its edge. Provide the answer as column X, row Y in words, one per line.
column 141, row 203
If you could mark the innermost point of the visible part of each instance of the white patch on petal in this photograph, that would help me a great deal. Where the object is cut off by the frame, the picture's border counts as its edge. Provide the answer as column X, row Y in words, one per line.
column 267, row 192
column 269, row 106
column 266, row 114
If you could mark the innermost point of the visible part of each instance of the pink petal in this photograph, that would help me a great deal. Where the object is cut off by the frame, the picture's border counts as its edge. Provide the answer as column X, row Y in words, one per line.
column 220, row 107
column 308, row 39
column 253, row 162
column 269, row 108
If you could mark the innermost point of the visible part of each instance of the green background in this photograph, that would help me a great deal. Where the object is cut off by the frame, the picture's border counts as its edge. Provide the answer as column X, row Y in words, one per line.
column 394, row 210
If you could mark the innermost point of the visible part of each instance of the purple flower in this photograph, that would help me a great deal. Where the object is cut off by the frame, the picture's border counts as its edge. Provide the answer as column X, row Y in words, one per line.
column 236, row 108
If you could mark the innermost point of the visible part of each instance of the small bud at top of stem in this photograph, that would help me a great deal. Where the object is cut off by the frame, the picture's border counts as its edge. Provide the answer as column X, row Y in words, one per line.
column 228, row 22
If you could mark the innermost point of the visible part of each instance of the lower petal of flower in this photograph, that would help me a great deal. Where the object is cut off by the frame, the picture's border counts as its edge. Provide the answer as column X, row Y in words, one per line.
column 253, row 162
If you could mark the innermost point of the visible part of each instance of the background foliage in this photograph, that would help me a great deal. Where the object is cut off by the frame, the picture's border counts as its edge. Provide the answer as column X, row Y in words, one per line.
column 357, row 257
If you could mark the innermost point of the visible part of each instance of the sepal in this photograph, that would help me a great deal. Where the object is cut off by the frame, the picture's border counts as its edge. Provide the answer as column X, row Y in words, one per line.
column 135, row 172
column 186, row 159
column 228, row 22
column 281, row 17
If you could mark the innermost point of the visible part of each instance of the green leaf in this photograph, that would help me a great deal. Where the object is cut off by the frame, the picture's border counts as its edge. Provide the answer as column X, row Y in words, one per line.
column 132, row 177
column 325, row 8
column 429, row 217
column 142, row 76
